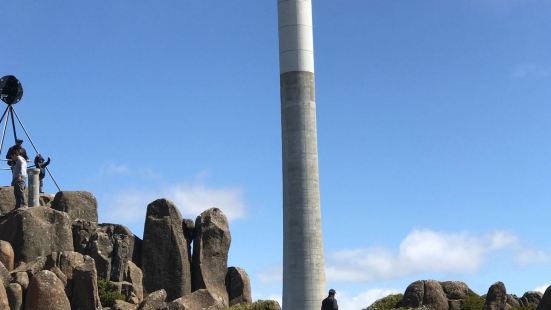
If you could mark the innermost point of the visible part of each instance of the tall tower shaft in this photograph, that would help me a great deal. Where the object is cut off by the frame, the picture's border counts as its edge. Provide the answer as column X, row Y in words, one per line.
column 303, row 263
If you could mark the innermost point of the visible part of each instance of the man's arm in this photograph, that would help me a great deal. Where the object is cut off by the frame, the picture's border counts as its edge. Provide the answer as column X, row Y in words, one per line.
column 335, row 305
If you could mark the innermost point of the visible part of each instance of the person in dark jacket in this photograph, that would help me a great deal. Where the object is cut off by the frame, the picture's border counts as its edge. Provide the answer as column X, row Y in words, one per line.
column 17, row 147
column 330, row 303
column 41, row 164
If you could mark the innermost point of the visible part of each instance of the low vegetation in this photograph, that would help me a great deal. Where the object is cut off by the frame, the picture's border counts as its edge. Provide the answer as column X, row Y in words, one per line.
column 386, row 303
column 108, row 293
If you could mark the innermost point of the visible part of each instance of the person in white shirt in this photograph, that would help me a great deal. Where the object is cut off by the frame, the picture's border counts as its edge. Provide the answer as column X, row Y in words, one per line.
column 19, row 180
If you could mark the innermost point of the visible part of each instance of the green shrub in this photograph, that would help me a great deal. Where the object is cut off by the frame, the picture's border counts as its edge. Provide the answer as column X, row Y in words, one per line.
column 386, row 303
column 473, row 302
column 108, row 293
column 257, row 305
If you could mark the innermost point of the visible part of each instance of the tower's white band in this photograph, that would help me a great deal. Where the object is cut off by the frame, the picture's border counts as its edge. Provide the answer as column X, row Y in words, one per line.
column 296, row 44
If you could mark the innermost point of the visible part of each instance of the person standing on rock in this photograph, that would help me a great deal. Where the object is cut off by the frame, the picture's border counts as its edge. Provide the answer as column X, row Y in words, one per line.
column 19, row 180
column 330, row 303
column 19, row 148
column 41, row 164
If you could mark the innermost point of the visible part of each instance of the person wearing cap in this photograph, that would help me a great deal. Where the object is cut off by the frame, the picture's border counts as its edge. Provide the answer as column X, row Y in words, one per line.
column 330, row 303
column 41, row 164
column 19, row 180
column 19, row 147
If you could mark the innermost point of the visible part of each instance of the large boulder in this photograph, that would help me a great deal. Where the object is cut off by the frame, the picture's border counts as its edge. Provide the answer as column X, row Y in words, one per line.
column 456, row 289
column 545, row 303
column 165, row 262
column 530, row 299
column 110, row 245
column 7, row 199
column 134, row 276
column 78, row 204
column 414, row 294
column 7, row 255
column 4, row 301
column 153, row 301
column 37, row 231
column 15, row 296
column 123, row 305
column 210, row 253
column 80, row 272
column 496, row 299
column 46, row 292
column 238, row 286
column 434, row 295
column 201, row 299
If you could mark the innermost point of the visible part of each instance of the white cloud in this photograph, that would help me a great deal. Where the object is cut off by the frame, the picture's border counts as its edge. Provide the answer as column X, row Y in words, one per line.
column 110, row 169
column 421, row 251
column 363, row 299
column 541, row 288
column 130, row 206
column 531, row 256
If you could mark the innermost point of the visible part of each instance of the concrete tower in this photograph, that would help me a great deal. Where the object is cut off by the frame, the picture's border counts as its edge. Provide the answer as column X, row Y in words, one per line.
column 303, row 264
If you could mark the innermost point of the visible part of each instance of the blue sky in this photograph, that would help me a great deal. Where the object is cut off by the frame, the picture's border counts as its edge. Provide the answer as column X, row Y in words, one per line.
column 433, row 125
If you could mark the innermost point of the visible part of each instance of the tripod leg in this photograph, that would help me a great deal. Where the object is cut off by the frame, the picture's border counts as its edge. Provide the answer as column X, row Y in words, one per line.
column 4, row 129
column 13, row 123
column 32, row 143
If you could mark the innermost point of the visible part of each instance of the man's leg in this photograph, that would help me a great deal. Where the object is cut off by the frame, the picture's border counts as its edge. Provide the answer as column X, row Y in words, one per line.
column 19, row 191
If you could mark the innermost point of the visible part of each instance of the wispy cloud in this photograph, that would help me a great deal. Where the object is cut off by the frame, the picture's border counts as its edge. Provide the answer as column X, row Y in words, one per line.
column 111, row 168
column 530, row 70
column 541, row 288
column 363, row 299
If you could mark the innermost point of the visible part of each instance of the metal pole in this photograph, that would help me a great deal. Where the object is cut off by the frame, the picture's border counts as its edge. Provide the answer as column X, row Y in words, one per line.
column 34, row 147
column 13, row 123
column 34, row 187
column 4, row 129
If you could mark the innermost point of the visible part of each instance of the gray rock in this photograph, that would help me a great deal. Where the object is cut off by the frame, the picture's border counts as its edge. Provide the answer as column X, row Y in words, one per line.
column 456, row 289
column 496, row 299
column 123, row 305
column 545, row 303
column 134, row 276
column 7, row 256
column 434, row 295
column 128, row 291
column 31, row 268
column 414, row 295
column 21, row 278
column 454, row 304
column 154, row 301
column 4, row 302
column 78, row 204
column 530, row 299
column 61, row 276
column 5, row 274
column 238, row 286
column 37, row 231
column 46, row 292
column 165, row 262
column 110, row 245
column 45, row 199
column 7, row 199
column 80, row 270
column 188, row 226
column 201, row 299
column 210, row 253
column 513, row 300
column 15, row 296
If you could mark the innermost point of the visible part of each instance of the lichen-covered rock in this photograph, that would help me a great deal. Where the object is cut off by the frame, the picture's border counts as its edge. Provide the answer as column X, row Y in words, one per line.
column 7, row 256
column 496, row 299
column 15, row 296
column 7, row 199
column 134, row 276
column 80, row 270
column 37, row 231
column 210, row 253
column 530, row 299
column 238, row 286
column 165, row 263
column 21, row 278
column 201, row 299
column 46, row 292
column 456, row 289
column 110, row 245
column 414, row 294
column 123, row 305
column 545, row 302
column 4, row 274
column 78, row 204
column 434, row 295
column 31, row 268
column 4, row 302
column 154, row 301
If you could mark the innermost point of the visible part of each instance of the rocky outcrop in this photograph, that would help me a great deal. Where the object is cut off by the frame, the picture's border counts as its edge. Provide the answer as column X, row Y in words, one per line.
column 4, row 302
column 37, row 231
column 15, row 296
column 7, row 199
column 77, row 204
column 165, row 263
column 155, row 300
column 46, row 292
column 545, row 303
column 210, row 253
column 201, row 299
column 496, row 299
column 413, row 297
column 81, row 278
column 238, row 286
column 123, row 305
column 448, row 295
column 110, row 245
column 7, row 256
column 530, row 299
